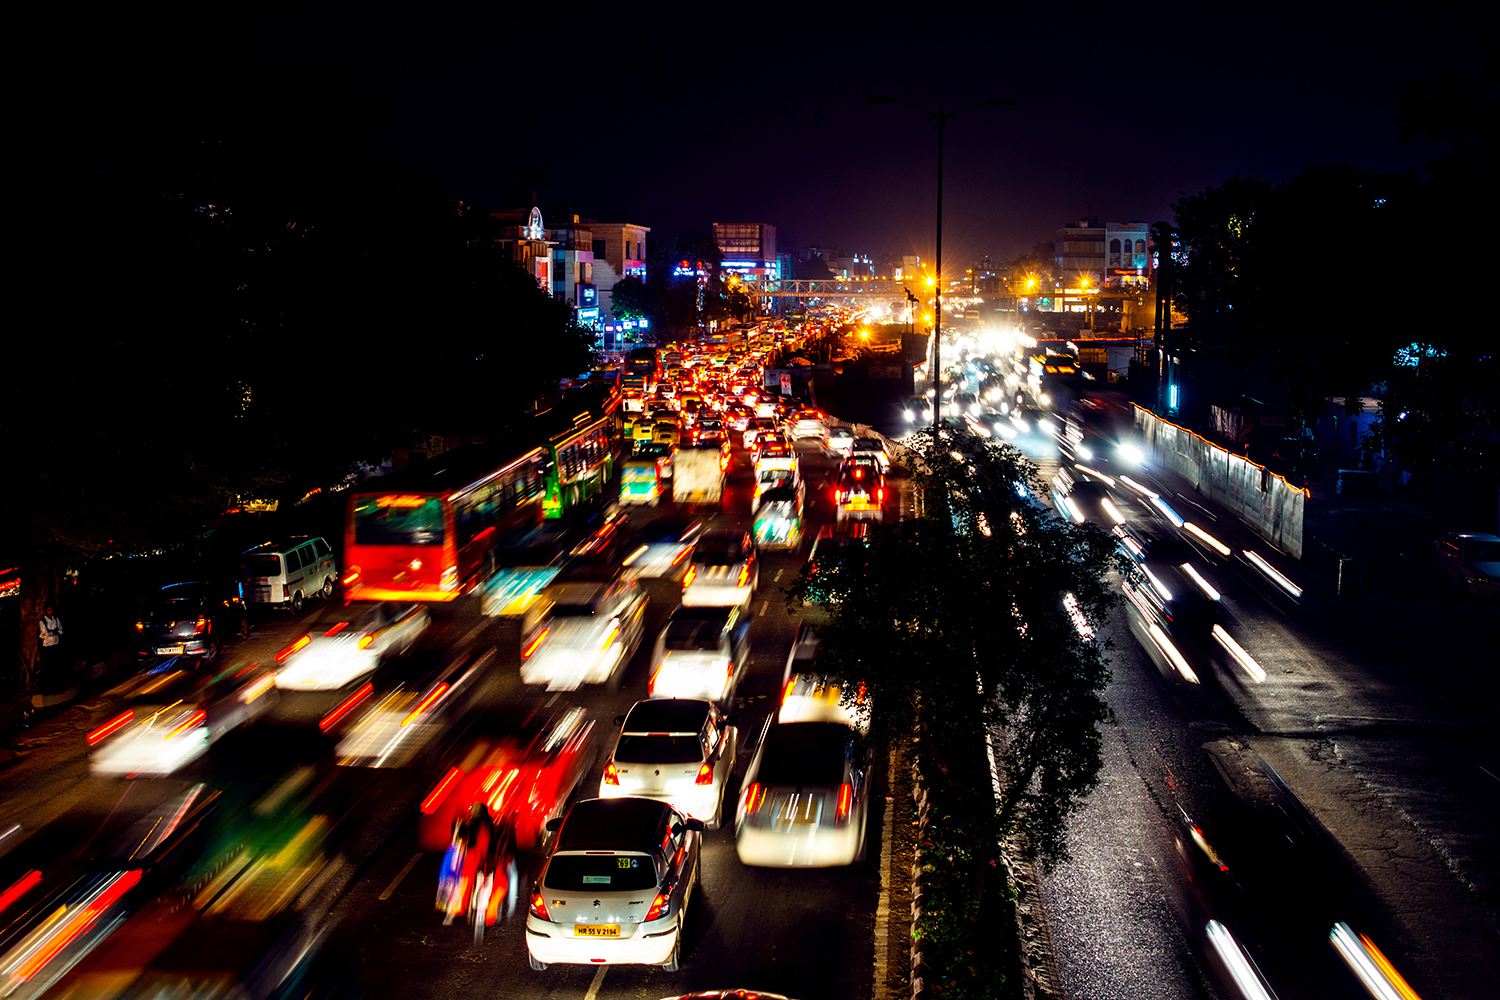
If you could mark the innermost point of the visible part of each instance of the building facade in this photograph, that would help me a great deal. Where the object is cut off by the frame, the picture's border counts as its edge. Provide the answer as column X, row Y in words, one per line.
column 619, row 253
column 1126, row 249
column 1080, row 253
column 524, row 235
column 748, row 248
column 572, row 243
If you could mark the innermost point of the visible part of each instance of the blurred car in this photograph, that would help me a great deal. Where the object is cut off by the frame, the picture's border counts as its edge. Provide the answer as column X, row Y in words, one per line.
column 190, row 619
column 1472, row 560
column 591, row 630
column 708, row 429
column 348, row 642
column 284, row 573
column 840, row 440
column 724, row 570
column 665, row 433
column 738, row 417
column 776, row 467
column 523, row 762
column 680, row 751
column 859, row 494
column 665, row 548
column 810, row 696
column 1174, row 613
column 807, row 424
column 835, row 538
column 404, row 707
column 616, row 887
column 778, row 516
column 768, row 443
column 170, row 715
column 1085, row 499
column 806, row 797
column 874, row 447
column 917, row 411
column 702, row 652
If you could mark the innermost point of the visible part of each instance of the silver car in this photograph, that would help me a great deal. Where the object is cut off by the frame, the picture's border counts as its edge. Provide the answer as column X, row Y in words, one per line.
column 615, row 889
column 591, row 631
column 347, row 643
column 678, row 750
column 701, row 653
column 724, row 569
column 806, row 797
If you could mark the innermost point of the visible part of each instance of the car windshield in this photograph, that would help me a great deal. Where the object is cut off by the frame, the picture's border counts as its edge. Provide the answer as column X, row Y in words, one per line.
column 601, row 873
column 1477, row 550
column 659, row 750
column 687, row 634
column 798, row 755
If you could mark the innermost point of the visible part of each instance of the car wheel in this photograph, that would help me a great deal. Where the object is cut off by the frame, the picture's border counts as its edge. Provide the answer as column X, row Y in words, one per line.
column 674, row 960
column 535, row 965
column 327, row 591
column 244, row 628
column 297, row 603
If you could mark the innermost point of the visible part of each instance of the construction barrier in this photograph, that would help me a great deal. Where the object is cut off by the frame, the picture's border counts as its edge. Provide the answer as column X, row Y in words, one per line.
column 1265, row 501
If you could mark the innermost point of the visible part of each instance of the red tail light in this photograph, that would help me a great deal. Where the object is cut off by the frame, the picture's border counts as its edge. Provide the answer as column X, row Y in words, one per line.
column 744, row 577
column 281, row 656
column 140, row 626
column 191, row 722
column 753, row 797
column 846, row 798
column 534, row 643
column 611, row 774
column 351, row 575
column 705, row 774
column 681, row 556
column 880, row 493
column 21, row 888
column 689, row 576
column 658, row 908
column 786, row 691
column 433, row 697
column 113, row 724
column 440, row 792
column 539, row 907
column 200, row 626
column 332, row 718
column 336, row 629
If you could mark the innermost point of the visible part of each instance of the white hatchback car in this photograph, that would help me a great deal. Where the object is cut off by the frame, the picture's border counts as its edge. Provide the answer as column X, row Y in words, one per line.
column 806, row 797
column 591, row 631
column 348, row 643
column 678, row 750
column 724, row 571
column 701, row 653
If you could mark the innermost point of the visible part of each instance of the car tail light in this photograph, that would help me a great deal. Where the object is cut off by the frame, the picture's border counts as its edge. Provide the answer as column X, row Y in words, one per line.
column 200, row 626
column 440, row 792
column 336, row 629
column 687, row 551
column 880, row 493
column 539, row 907
column 846, row 798
column 744, row 576
column 191, row 722
column 433, row 697
column 609, row 638
column 113, row 724
column 351, row 575
column 705, row 774
column 658, row 908
column 753, row 797
column 651, row 684
column 536, row 641
column 689, row 576
column 140, row 626
column 332, row 718
column 611, row 773
column 281, row 656
column 366, row 641
column 786, row 690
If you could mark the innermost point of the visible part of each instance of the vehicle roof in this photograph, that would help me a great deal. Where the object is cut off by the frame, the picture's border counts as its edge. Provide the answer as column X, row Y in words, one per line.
column 279, row 544
column 613, row 824
column 666, row 715
column 703, row 613
column 794, row 751
column 577, row 594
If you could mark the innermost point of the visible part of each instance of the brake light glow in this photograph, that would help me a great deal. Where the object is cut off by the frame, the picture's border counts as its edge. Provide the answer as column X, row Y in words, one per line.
column 439, row 793
column 113, row 724
column 846, row 798
column 658, row 908
column 336, row 629
column 786, row 690
column 609, row 637
column 351, row 575
column 140, row 626
column 21, row 888
column 200, row 626
column 539, row 907
column 744, row 576
column 191, row 722
column 332, row 718
column 689, row 576
column 753, row 797
column 432, row 699
column 281, row 656
column 705, row 774
column 536, row 641
column 366, row 641
column 681, row 556
column 611, row 774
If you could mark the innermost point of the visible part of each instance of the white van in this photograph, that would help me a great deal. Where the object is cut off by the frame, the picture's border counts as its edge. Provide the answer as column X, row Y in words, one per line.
column 287, row 572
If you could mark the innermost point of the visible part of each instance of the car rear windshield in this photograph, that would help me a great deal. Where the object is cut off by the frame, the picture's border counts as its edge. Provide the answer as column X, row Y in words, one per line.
column 1478, row 550
column 711, row 553
column 398, row 520
column 601, row 873
column 689, row 634
column 795, row 755
column 659, row 750
column 261, row 566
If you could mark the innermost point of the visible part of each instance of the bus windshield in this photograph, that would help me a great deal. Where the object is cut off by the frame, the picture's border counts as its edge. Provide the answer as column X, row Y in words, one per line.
column 398, row 520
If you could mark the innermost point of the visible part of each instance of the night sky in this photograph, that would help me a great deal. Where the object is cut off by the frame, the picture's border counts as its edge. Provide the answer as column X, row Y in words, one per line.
column 677, row 116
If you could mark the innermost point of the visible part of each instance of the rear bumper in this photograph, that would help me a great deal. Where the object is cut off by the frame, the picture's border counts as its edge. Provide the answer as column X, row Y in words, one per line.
column 821, row 847
column 554, row 944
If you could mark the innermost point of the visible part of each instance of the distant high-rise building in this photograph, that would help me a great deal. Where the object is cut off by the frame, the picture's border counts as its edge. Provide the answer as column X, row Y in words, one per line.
column 748, row 247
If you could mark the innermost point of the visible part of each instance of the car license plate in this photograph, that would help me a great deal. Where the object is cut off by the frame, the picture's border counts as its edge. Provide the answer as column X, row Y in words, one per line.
column 596, row 930
column 169, row 650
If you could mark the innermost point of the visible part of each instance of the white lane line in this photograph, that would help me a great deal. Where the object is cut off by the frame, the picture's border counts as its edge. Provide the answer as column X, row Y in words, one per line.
column 552, row 701
column 763, row 606
column 473, row 632
column 593, row 991
column 778, row 574
column 399, row 876
column 883, row 904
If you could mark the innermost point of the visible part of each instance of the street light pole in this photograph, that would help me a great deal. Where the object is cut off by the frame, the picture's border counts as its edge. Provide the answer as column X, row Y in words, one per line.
column 942, row 121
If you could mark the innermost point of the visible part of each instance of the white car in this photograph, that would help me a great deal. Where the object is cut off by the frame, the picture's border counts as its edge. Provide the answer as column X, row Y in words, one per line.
column 808, row 696
column 806, row 797
column 348, row 643
column 679, row 751
column 755, row 426
column 840, row 441
column 701, row 653
column 807, row 424
column 591, row 631
column 873, row 447
column 724, row 570
column 615, row 889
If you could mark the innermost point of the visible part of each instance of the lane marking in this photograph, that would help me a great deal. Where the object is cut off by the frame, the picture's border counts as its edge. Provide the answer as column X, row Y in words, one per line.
column 763, row 606
column 883, row 905
column 399, row 876
column 593, row 990
column 778, row 575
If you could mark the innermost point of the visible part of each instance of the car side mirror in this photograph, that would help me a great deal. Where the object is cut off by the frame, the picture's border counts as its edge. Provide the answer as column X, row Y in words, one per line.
column 555, row 824
column 696, row 825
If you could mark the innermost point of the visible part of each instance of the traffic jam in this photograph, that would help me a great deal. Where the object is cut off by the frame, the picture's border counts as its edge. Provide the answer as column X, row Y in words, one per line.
column 558, row 669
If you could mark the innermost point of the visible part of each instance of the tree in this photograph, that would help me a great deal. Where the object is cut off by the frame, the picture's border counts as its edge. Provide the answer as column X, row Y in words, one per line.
column 632, row 298
column 971, row 597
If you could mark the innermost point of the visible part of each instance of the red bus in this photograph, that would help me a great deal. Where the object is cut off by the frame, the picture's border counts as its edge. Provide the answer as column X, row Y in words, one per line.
column 430, row 533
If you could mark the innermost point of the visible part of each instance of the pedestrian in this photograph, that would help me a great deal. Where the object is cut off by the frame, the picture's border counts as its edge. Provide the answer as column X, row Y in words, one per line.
column 50, row 633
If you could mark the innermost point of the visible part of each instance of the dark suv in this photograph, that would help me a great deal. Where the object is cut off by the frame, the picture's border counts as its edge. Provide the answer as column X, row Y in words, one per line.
column 189, row 619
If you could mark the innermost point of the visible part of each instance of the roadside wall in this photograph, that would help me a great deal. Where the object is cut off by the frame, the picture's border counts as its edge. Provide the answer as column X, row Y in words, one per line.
column 1263, row 500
